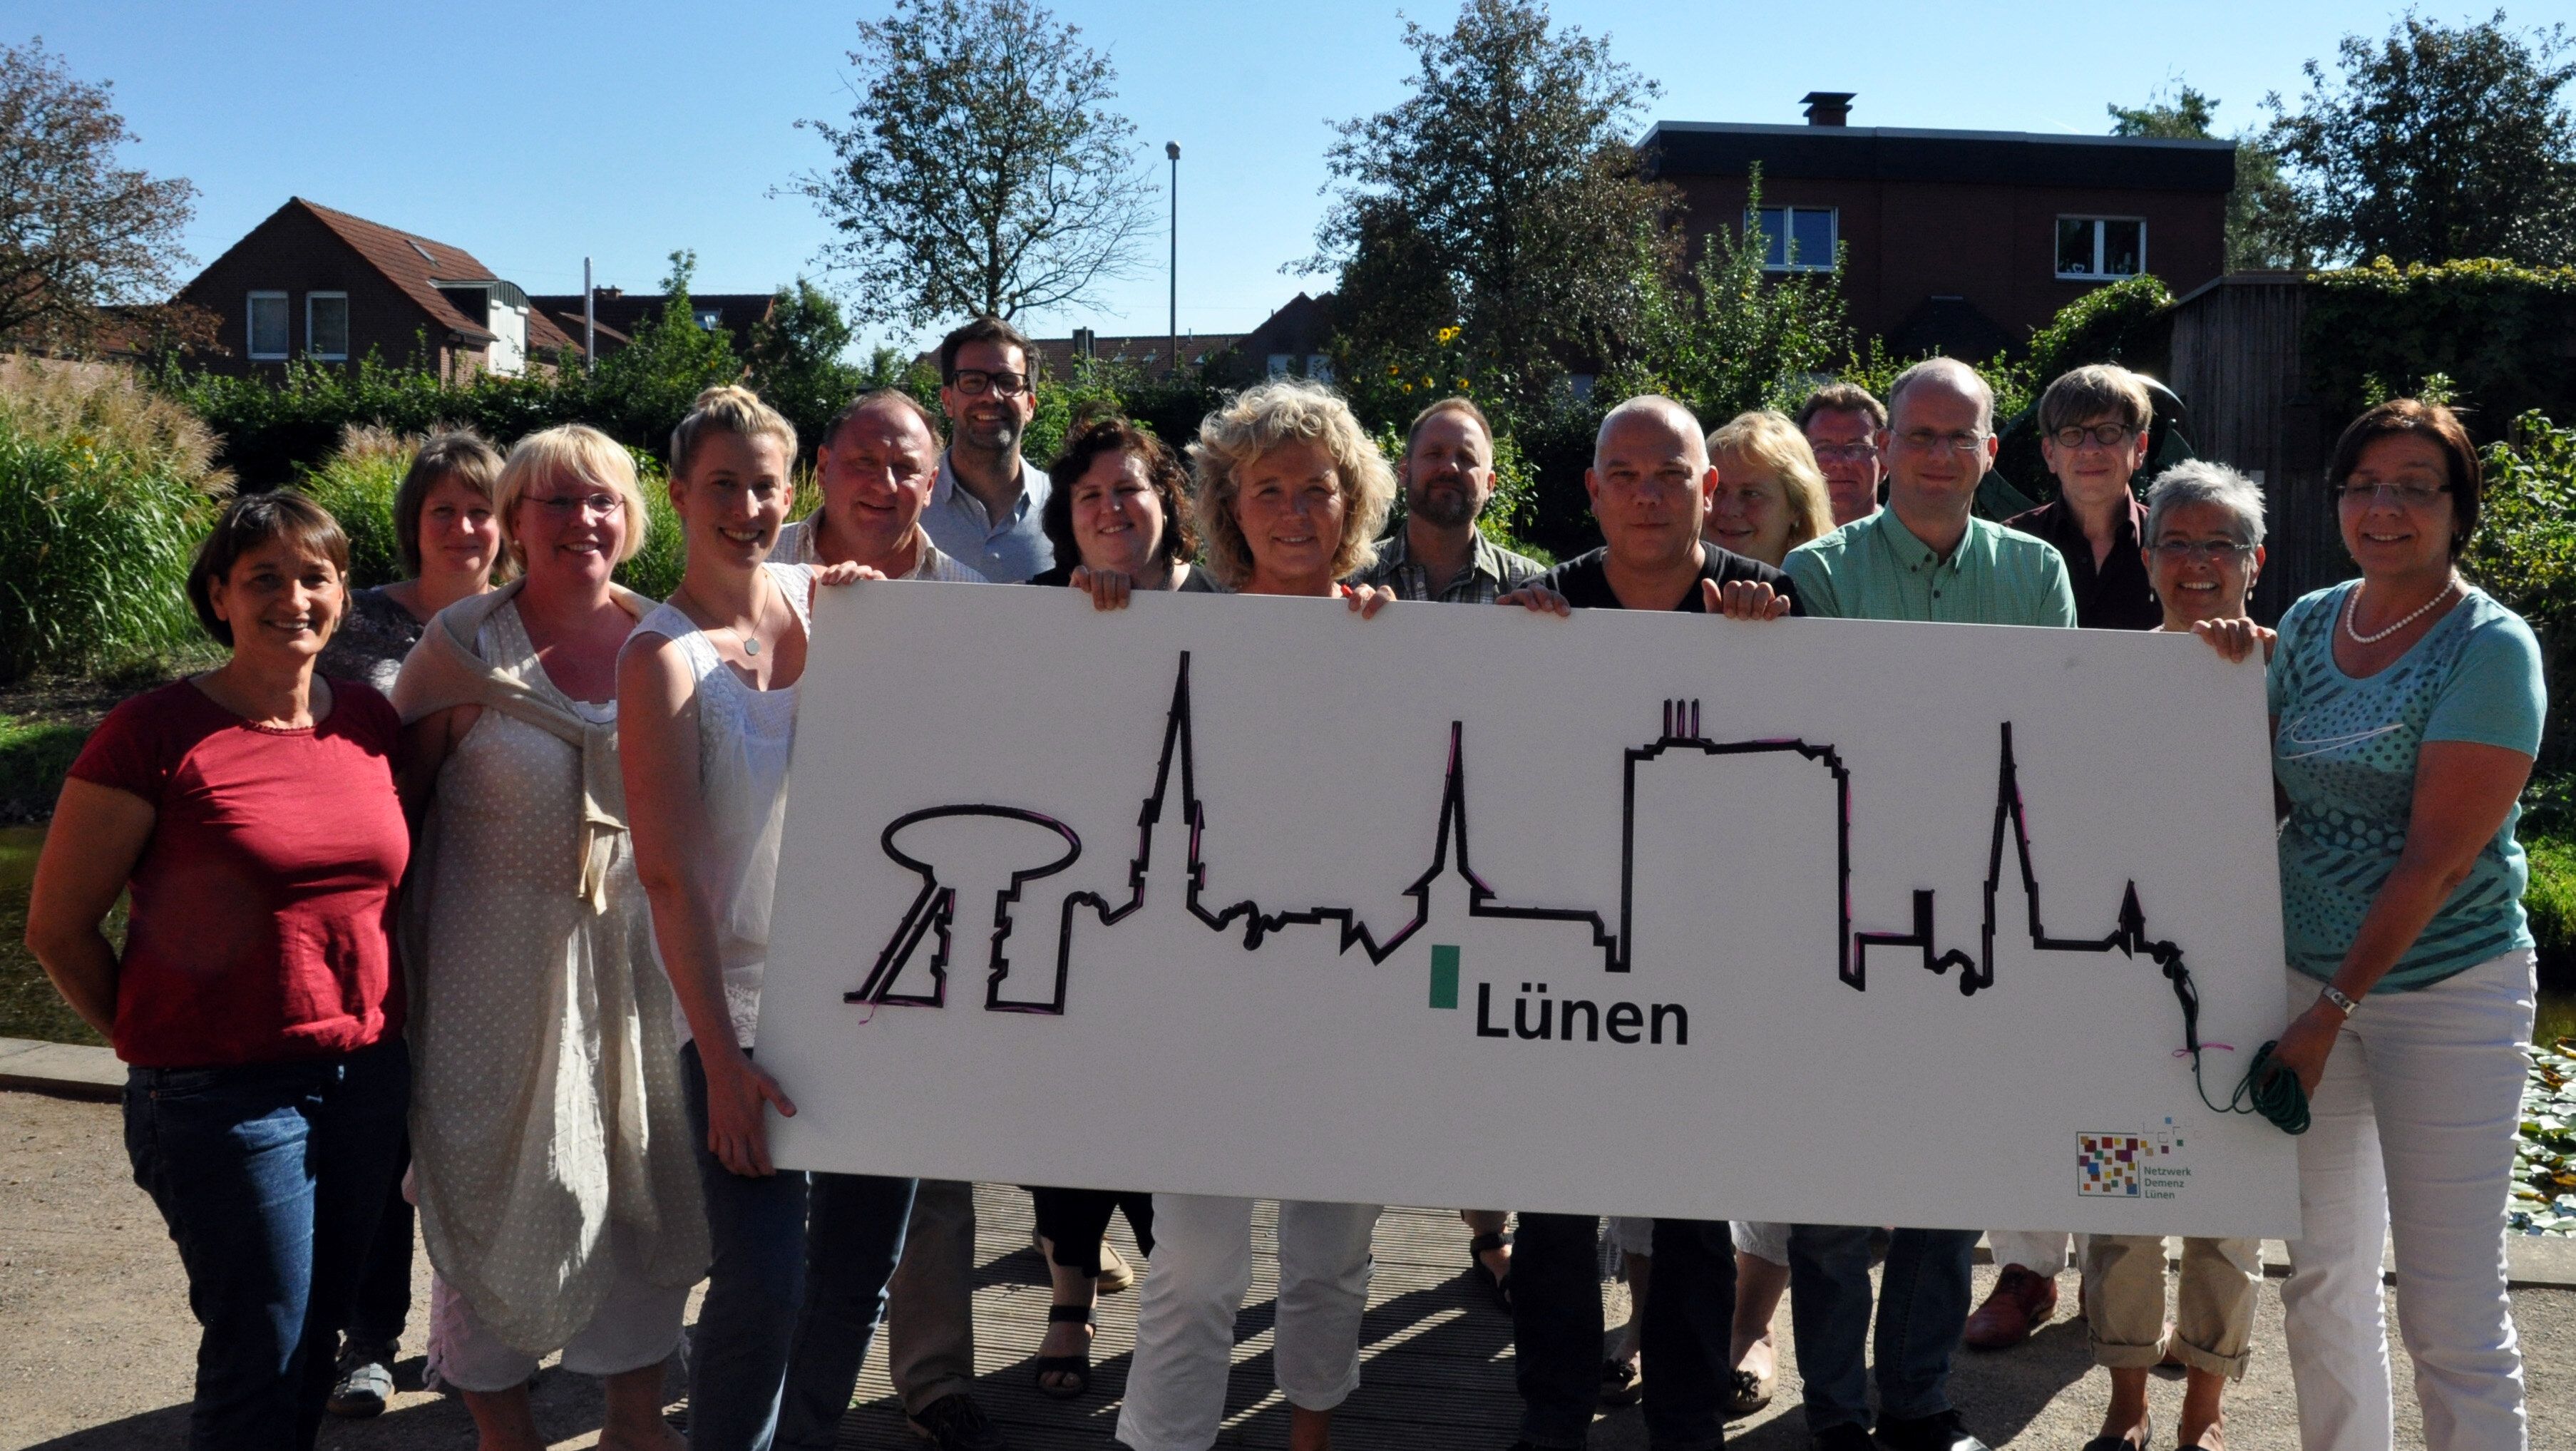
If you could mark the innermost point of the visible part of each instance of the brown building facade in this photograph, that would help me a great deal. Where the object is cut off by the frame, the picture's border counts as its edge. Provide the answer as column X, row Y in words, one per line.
column 318, row 285
column 1965, row 241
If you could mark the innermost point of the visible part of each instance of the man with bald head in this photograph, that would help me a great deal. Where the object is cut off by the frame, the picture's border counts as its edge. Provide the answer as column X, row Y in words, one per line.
column 876, row 466
column 1923, row 557
column 1650, row 483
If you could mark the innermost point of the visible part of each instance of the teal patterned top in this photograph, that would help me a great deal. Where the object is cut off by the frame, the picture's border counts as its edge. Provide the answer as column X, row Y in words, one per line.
column 2345, row 753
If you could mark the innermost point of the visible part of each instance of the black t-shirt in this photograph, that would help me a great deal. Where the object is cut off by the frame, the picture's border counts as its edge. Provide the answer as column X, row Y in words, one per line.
column 1585, row 583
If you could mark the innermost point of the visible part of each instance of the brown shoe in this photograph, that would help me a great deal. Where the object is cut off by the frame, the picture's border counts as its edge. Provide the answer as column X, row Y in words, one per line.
column 2021, row 1303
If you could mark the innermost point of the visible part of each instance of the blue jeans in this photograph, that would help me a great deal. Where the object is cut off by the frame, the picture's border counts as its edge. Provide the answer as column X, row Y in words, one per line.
column 1556, row 1330
column 793, row 1295
column 271, row 1177
column 1922, row 1307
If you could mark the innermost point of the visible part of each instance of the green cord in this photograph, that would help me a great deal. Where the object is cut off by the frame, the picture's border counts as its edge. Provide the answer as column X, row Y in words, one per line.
column 2267, row 1088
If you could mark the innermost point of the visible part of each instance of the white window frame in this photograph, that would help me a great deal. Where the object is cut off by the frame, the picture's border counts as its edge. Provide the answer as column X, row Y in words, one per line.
column 285, row 326
column 1789, row 222
column 316, row 353
column 2097, row 274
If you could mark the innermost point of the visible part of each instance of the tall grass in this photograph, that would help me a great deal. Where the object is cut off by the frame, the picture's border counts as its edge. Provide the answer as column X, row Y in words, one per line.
column 93, row 557
column 109, row 411
column 357, row 485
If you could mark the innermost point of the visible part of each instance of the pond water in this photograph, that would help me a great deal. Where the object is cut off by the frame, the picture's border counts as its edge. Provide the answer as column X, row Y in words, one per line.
column 29, row 1007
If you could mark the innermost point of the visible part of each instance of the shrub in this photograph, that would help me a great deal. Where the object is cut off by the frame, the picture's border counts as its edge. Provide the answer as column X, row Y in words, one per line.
column 2525, row 550
column 357, row 485
column 2551, row 905
column 655, row 569
column 2498, row 331
column 94, row 552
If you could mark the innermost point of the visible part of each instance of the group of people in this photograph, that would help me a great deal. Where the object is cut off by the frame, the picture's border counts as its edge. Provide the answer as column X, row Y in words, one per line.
column 452, row 897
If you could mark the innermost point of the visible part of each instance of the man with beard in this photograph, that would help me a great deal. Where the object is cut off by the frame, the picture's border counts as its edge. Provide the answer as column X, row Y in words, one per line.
column 1440, row 554
column 986, row 509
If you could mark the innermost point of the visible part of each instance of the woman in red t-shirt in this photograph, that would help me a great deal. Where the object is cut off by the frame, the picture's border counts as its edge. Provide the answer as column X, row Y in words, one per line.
column 252, row 812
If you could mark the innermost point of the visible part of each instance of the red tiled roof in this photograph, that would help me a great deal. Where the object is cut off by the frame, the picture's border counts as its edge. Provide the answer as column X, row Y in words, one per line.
column 411, row 263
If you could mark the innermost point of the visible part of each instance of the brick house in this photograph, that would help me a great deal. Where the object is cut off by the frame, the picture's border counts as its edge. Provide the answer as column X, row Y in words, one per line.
column 1962, row 240
column 323, row 286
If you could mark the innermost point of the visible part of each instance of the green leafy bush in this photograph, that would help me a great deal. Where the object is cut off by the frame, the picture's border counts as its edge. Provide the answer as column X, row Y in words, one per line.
column 655, row 570
column 2496, row 331
column 2524, row 552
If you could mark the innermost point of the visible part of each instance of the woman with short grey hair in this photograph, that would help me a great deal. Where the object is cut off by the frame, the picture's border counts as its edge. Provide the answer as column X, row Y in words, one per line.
column 2203, row 550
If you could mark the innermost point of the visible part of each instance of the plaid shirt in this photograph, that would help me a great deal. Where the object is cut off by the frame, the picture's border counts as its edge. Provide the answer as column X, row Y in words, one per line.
column 1493, row 573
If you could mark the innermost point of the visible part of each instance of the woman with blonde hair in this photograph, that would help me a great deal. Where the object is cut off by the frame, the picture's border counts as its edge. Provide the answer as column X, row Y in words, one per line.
column 706, row 692
column 1290, row 497
column 550, row 1149
column 1770, row 494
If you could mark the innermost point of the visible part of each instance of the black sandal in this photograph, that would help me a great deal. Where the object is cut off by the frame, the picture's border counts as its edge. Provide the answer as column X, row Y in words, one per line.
column 1078, row 1367
column 1499, row 1286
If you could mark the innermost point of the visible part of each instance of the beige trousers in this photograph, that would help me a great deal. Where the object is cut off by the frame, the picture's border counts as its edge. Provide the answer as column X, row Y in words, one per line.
column 2124, row 1302
column 930, row 1310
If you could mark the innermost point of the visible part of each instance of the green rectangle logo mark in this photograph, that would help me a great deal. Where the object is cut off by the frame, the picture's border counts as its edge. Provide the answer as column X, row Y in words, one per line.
column 1444, row 977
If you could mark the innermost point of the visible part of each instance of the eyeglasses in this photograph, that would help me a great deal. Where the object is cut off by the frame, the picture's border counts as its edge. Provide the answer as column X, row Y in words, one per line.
column 2217, row 551
column 974, row 382
column 562, row 505
column 1845, row 453
column 1924, row 440
column 2413, row 496
column 2109, row 435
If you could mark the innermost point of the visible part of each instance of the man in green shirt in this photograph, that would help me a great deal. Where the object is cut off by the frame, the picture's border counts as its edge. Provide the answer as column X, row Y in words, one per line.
column 1924, row 556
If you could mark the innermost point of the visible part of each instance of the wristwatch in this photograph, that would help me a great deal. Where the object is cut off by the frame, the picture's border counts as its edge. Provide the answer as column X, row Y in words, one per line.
column 2335, row 995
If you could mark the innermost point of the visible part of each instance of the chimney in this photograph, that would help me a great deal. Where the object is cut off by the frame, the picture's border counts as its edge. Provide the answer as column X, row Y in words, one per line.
column 1828, row 108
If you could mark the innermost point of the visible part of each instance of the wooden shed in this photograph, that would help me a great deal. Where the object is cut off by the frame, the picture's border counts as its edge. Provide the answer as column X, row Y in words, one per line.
column 2236, row 362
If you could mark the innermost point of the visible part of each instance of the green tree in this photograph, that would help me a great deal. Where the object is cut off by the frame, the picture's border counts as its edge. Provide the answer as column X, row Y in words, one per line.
column 982, row 170
column 670, row 358
column 797, row 361
column 1730, row 336
column 2436, row 144
column 1503, row 192
column 80, row 236
column 2263, row 222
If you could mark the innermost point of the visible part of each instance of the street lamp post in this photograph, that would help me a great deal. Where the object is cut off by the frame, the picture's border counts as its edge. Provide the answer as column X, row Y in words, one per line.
column 1172, row 149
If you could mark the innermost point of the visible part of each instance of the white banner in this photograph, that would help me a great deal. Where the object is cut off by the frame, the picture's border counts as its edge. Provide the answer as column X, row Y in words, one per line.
column 1820, row 920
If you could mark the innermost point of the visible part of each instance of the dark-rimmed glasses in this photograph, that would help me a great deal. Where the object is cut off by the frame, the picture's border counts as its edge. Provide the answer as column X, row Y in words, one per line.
column 974, row 382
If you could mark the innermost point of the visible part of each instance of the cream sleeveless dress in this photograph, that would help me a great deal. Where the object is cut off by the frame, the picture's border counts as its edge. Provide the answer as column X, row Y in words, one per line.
column 546, row 1105
column 744, row 739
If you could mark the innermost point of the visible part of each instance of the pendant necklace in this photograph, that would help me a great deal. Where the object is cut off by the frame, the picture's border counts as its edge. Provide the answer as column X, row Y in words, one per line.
column 2353, row 607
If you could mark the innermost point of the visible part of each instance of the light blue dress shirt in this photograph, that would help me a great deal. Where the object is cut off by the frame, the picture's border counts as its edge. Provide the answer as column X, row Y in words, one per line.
column 1008, row 550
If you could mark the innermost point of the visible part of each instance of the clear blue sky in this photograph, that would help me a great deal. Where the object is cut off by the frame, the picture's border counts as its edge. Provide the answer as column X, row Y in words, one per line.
column 533, row 134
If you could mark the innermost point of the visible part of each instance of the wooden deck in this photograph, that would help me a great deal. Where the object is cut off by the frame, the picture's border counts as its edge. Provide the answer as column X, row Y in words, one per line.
column 1436, row 1353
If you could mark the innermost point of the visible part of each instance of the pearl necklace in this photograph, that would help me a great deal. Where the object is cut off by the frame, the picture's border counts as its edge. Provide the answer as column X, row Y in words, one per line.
column 2352, row 606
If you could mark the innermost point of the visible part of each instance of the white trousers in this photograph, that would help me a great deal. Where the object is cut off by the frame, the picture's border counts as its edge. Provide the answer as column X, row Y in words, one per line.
column 2413, row 1132
column 2042, row 1252
column 1185, row 1312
